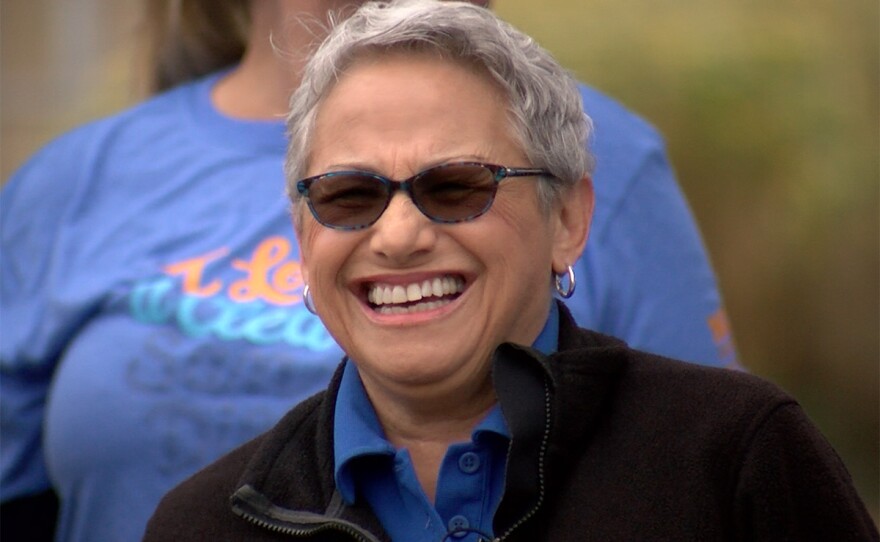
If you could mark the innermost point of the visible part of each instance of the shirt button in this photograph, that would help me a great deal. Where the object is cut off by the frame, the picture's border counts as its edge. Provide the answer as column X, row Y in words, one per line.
column 469, row 462
column 456, row 526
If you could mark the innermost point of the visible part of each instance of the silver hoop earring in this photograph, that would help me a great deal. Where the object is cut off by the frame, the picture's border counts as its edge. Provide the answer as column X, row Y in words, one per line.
column 564, row 291
column 308, row 301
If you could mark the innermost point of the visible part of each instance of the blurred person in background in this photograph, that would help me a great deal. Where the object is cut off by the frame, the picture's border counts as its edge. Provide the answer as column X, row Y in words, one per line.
column 151, row 288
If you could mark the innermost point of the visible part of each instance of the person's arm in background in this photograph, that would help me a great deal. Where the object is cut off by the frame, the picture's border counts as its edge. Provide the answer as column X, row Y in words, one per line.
column 33, row 207
column 33, row 203
column 646, row 277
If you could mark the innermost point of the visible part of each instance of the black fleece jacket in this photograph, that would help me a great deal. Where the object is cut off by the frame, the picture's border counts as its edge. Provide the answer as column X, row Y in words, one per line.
column 608, row 443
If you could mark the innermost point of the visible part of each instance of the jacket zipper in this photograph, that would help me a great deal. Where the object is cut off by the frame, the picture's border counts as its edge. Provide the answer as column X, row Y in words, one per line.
column 542, row 454
column 263, row 514
column 297, row 532
column 359, row 534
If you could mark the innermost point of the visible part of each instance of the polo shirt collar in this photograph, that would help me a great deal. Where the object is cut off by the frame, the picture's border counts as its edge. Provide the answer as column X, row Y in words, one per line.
column 358, row 433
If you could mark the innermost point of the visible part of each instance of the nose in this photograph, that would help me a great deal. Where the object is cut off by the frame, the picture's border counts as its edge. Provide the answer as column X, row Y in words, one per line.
column 402, row 232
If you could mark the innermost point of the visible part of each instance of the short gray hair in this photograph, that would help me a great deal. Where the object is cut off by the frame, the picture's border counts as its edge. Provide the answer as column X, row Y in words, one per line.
column 544, row 103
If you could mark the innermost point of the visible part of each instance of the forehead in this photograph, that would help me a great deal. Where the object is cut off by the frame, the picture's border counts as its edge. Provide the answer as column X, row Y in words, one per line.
column 416, row 105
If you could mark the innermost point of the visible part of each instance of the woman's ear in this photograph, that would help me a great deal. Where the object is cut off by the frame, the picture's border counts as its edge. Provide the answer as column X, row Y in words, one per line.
column 574, row 215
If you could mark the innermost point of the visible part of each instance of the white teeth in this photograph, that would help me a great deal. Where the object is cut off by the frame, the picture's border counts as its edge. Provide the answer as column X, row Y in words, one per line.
column 413, row 292
column 384, row 294
column 398, row 295
column 396, row 309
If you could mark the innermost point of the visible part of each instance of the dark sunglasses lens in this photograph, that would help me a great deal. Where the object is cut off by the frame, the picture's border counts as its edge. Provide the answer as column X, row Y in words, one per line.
column 455, row 193
column 347, row 200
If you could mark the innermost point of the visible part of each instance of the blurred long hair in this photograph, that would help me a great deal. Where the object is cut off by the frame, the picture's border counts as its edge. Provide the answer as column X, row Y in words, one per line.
column 186, row 39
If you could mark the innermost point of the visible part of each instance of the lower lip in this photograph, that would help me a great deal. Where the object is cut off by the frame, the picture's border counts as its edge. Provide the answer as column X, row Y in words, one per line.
column 431, row 312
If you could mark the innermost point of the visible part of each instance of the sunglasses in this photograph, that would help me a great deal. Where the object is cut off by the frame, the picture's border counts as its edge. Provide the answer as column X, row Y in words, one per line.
column 448, row 193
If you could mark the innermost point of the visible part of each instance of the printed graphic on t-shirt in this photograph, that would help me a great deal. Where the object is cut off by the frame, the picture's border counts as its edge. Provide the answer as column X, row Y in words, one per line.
column 261, row 303
column 723, row 337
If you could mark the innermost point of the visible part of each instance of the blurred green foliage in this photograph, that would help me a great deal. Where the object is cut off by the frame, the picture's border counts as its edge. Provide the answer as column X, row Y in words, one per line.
column 770, row 112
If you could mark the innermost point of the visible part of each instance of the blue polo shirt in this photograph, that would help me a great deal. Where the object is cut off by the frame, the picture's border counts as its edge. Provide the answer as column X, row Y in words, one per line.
column 471, row 478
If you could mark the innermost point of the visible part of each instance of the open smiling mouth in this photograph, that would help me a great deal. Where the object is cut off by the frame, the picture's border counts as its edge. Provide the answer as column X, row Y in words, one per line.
column 415, row 297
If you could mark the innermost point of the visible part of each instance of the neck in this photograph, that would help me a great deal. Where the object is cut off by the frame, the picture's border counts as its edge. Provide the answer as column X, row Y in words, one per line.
column 281, row 37
column 427, row 422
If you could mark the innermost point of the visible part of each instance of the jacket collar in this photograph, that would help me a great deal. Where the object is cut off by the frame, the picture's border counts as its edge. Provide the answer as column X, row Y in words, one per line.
column 552, row 404
column 288, row 485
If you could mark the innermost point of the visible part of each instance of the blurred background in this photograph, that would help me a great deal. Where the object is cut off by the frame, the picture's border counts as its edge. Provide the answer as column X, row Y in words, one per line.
column 771, row 111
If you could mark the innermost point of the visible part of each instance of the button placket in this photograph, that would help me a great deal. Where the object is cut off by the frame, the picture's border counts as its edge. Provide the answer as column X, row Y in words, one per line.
column 469, row 462
column 456, row 526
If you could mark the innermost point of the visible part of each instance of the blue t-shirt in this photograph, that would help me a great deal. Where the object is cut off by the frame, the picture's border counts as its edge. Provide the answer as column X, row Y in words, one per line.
column 470, row 482
column 151, row 297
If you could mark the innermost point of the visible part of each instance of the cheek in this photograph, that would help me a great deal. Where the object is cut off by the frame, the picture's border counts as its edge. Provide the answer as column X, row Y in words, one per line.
column 326, row 254
column 519, row 218
column 318, row 250
column 526, row 249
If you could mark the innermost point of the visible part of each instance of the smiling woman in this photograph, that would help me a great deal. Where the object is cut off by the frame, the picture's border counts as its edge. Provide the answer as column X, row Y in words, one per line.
column 441, row 190
column 402, row 117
